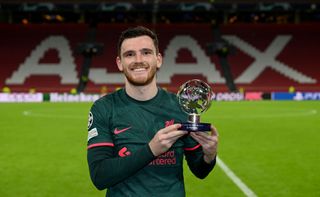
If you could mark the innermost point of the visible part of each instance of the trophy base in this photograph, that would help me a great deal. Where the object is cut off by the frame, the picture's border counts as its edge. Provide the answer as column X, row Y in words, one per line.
column 194, row 127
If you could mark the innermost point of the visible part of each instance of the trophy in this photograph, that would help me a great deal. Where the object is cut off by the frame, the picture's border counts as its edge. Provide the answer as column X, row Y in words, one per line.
column 194, row 98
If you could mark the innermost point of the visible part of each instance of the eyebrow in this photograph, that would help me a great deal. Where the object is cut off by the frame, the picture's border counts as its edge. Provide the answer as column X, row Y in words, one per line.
column 146, row 49
column 141, row 50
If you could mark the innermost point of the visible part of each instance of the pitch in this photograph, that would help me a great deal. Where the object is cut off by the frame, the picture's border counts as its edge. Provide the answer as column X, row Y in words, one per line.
column 269, row 148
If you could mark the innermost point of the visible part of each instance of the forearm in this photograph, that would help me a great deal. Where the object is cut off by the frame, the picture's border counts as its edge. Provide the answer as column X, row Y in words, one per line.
column 106, row 171
column 197, row 164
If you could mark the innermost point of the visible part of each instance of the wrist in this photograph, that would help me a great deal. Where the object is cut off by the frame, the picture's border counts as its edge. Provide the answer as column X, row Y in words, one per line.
column 209, row 158
column 153, row 149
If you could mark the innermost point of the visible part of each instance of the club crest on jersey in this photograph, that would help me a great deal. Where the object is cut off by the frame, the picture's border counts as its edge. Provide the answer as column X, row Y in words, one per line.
column 169, row 122
column 90, row 120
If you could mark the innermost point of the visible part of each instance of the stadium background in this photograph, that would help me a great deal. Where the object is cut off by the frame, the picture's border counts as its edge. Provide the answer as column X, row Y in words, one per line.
column 58, row 56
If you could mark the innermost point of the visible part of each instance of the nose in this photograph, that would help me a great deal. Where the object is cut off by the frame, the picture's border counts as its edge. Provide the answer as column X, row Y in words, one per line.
column 138, row 57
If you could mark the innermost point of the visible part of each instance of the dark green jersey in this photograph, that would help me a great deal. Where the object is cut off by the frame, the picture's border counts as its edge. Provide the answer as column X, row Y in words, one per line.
column 119, row 157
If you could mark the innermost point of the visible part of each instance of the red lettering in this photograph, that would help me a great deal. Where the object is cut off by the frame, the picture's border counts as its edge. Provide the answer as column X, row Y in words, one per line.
column 169, row 122
column 167, row 158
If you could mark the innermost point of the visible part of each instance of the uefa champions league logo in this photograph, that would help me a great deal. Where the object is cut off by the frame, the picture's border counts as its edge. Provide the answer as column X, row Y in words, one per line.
column 90, row 120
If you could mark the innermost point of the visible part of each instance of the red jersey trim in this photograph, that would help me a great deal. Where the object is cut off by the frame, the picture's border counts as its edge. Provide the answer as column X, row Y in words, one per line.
column 192, row 148
column 100, row 144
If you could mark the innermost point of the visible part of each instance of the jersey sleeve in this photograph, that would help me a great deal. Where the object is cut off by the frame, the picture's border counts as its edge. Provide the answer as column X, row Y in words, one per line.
column 195, row 158
column 196, row 163
column 190, row 144
column 107, row 170
column 99, row 133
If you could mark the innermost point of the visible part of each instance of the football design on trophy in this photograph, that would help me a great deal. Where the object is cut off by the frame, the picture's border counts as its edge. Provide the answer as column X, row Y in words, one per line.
column 194, row 98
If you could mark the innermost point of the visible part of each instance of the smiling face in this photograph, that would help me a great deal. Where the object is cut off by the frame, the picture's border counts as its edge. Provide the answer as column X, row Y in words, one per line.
column 139, row 60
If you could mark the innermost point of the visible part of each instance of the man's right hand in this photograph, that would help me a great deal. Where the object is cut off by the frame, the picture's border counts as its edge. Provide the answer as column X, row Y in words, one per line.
column 165, row 138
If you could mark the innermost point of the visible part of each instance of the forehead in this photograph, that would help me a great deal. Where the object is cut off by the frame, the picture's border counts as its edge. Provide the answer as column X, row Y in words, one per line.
column 137, row 43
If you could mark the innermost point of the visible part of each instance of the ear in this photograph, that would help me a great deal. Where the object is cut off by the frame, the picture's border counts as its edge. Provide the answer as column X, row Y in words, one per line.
column 119, row 64
column 159, row 60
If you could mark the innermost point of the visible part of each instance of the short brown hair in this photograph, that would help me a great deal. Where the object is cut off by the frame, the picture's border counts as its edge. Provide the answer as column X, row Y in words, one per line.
column 136, row 32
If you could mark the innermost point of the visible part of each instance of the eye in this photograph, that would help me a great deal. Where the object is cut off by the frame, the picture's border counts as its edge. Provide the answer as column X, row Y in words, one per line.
column 128, row 54
column 147, row 52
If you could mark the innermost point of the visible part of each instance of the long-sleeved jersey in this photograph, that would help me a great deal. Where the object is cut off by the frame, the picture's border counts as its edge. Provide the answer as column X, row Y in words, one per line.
column 119, row 157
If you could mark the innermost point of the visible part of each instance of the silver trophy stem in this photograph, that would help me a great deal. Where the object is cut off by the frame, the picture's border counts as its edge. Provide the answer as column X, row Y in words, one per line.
column 194, row 118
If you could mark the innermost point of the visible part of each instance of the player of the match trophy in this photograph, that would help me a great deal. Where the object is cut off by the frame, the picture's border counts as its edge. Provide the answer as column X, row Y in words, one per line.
column 194, row 98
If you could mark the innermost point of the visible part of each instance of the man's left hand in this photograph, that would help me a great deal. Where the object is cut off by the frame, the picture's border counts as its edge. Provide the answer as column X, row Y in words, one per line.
column 209, row 143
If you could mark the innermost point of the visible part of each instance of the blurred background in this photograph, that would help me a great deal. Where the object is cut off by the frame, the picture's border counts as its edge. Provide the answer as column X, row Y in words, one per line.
column 244, row 46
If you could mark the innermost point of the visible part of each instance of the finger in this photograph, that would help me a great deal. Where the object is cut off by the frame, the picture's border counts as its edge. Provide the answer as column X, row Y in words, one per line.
column 202, row 135
column 175, row 134
column 204, row 138
column 171, row 128
column 201, row 140
column 214, row 131
column 195, row 138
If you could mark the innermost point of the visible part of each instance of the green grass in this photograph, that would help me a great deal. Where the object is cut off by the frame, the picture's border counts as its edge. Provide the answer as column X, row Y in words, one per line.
column 271, row 146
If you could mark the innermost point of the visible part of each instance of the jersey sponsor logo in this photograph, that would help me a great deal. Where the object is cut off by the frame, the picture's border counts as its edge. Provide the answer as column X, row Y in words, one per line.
column 167, row 158
column 169, row 122
column 123, row 152
column 90, row 120
column 92, row 133
column 116, row 131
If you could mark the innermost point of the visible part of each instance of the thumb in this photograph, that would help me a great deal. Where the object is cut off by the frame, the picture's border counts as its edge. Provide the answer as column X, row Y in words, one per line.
column 214, row 131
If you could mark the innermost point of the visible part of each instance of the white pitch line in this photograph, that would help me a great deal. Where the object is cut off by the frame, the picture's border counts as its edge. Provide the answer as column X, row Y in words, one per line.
column 243, row 187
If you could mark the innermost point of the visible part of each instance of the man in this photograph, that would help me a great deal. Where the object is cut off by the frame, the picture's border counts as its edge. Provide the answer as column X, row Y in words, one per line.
column 135, row 147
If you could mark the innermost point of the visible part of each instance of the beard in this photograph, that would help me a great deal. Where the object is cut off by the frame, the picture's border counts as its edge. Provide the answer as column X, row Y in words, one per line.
column 140, row 81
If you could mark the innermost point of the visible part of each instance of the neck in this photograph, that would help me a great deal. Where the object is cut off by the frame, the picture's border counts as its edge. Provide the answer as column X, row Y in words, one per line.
column 142, row 93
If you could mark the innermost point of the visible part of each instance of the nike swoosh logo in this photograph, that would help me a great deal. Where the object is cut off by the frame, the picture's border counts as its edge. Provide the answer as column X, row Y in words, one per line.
column 116, row 131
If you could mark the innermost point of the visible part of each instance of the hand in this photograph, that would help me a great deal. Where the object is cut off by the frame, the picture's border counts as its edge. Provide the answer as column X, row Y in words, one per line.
column 208, row 142
column 165, row 138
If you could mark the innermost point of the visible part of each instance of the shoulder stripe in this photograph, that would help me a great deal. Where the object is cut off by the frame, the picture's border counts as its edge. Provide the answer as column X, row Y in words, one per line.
column 192, row 148
column 100, row 144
